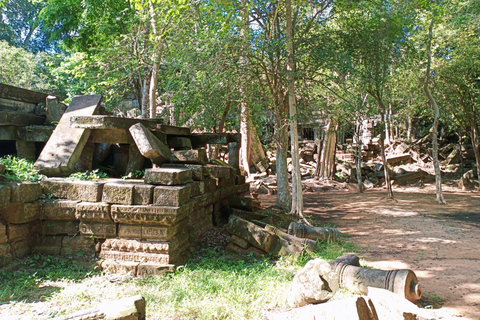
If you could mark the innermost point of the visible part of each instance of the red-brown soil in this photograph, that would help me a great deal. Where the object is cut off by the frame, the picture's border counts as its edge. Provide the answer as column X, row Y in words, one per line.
column 440, row 243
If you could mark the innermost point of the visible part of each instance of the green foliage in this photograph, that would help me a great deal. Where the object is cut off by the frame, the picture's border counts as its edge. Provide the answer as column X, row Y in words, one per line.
column 135, row 175
column 19, row 169
column 88, row 175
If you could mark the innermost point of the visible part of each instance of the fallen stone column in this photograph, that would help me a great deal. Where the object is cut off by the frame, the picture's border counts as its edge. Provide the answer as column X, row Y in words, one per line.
column 357, row 279
column 315, row 233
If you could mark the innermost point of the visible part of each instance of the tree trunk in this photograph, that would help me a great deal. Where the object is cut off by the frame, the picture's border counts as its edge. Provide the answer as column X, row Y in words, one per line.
column 283, row 199
column 326, row 161
column 297, row 196
column 433, row 103
column 475, row 145
column 359, row 133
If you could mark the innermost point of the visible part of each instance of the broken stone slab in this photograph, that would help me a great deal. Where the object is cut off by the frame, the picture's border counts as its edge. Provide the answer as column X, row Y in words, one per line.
column 5, row 194
column 306, row 244
column 149, row 145
column 137, row 256
column 25, row 191
column 118, row 267
column 153, row 269
column 220, row 171
column 152, row 215
column 315, row 233
column 173, row 130
column 199, row 171
column 56, row 187
column 282, row 247
column 98, row 229
column 403, row 282
column 131, row 308
column 358, row 308
column 59, row 227
column 93, row 212
column 194, row 156
column 109, row 122
column 63, row 149
column 255, row 235
column 118, row 193
column 20, row 94
column 35, row 133
column 168, row 176
column 21, row 212
column 468, row 181
column 171, row 196
column 250, row 250
column 316, row 282
column 399, row 158
column 409, row 177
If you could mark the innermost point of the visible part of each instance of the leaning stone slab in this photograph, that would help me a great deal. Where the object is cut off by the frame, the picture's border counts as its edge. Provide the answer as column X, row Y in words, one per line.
column 118, row 193
column 25, row 191
column 316, row 282
column 151, row 215
column 63, row 149
column 198, row 156
column 21, row 212
column 58, row 209
column 132, row 308
column 93, row 212
column 168, row 176
column 17, row 232
column 172, row 196
column 98, row 229
column 90, row 191
column 5, row 193
column 60, row 227
column 255, row 235
column 149, row 145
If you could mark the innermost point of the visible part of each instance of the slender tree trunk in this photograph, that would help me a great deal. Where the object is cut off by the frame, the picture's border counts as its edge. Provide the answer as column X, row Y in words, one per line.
column 283, row 199
column 297, row 195
column 475, row 145
column 359, row 132
column 433, row 103
column 409, row 129
column 326, row 163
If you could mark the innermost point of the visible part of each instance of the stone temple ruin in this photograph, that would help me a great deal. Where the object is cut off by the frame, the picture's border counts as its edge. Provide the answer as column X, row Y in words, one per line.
column 139, row 226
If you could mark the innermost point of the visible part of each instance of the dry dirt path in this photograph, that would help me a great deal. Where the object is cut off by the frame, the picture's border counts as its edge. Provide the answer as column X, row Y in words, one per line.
column 440, row 243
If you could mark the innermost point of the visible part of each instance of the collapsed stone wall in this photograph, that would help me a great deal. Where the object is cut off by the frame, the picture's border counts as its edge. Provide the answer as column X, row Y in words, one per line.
column 138, row 226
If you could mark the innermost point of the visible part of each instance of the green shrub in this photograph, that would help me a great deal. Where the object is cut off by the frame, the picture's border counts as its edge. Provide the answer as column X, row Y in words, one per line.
column 88, row 175
column 19, row 169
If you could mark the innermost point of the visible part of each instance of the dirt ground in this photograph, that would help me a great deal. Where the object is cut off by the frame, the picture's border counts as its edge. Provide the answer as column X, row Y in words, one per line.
column 440, row 243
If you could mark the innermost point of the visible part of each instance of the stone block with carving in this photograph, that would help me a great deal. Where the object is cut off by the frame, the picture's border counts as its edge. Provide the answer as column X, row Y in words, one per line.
column 72, row 246
column 118, row 193
column 58, row 209
column 168, row 176
column 166, row 233
column 173, row 196
column 98, row 229
column 93, row 212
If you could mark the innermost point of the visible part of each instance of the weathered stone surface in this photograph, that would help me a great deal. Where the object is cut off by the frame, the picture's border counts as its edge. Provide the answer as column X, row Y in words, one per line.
column 5, row 193
column 89, row 191
column 130, row 231
column 255, row 235
column 172, row 130
column 149, row 145
column 163, row 232
column 119, row 193
column 19, row 119
column 153, row 215
column 198, row 171
column 172, row 196
column 72, row 246
column 283, row 247
column 4, row 250
column 242, row 243
column 21, row 212
column 35, row 133
column 153, row 269
column 93, row 212
column 58, row 209
column 55, row 109
column 110, row 136
column 21, row 248
column 160, row 258
column 26, row 149
column 220, row 171
column 202, row 139
column 168, row 176
column 179, row 143
column 155, row 246
column 98, row 229
column 195, row 188
column 63, row 149
column 50, row 245
column 57, row 227
column 110, row 122
column 135, row 159
column 315, row 283
column 143, row 194
column 57, row 187
column 119, row 267
column 25, row 191
column 3, row 233
column 208, row 185
column 17, row 232
column 315, row 233
column 226, row 182
column 190, row 156
column 8, row 133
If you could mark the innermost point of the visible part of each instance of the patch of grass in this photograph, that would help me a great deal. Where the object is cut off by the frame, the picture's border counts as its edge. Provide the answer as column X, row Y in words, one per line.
column 19, row 169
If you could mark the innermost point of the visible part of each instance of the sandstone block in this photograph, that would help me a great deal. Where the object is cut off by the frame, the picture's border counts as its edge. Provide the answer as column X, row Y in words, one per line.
column 149, row 145
column 5, row 193
column 163, row 232
column 198, row 156
column 4, row 260
column 57, row 227
column 226, row 182
column 4, row 250
column 152, row 246
column 198, row 171
column 207, row 185
column 120, row 193
column 242, row 243
column 255, row 235
column 168, row 176
column 152, row 215
column 98, row 229
column 58, row 187
column 17, row 232
column 89, row 191
column 173, row 196
column 152, row 269
column 21, row 248
column 25, row 191
column 143, row 194
column 135, row 257
column 93, row 211
column 119, row 267
column 217, row 171
column 58, row 209
column 179, row 143
column 129, row 231
column 50, row 245
column 3, row 233
column 21, row 212
column 72, row 246
column 195, row 187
